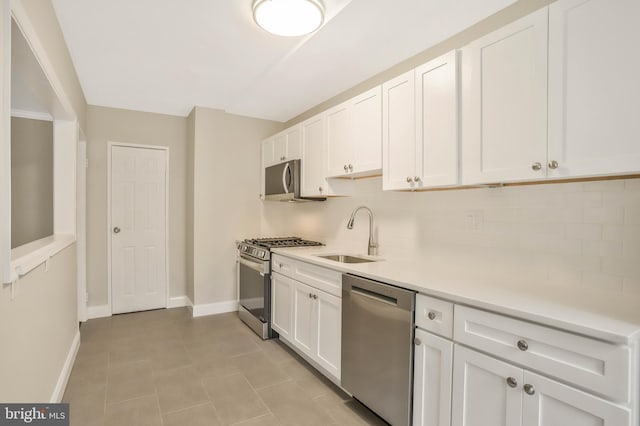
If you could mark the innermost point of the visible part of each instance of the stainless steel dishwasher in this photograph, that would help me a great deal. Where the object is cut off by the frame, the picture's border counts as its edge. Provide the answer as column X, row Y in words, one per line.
column 377, row 346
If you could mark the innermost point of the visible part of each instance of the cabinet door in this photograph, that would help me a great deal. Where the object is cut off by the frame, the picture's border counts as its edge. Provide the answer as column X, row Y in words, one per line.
column 549, row 403
column 279, row 148
column 293, row 149
column 433, row 358
column 338, row 140
column 268, row 154
column 366, row 122
column 398, row 132
column 329, row 322
column 304, row 318
column 282, row 304
column 481, row 394
column 437, row 122
column 594, row 90
column 504, row 103
column 313, row 181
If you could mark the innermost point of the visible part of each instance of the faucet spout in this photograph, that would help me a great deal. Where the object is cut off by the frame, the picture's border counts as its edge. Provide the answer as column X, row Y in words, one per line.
column 372, row 248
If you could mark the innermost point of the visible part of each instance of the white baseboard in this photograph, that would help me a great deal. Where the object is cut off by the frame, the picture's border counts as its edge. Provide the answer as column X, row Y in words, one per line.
column 179, row 301
column 99, row 311
column 215, row 308
column 63, row 378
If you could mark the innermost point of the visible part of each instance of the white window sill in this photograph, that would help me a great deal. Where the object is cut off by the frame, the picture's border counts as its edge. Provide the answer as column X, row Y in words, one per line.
column 31, row 255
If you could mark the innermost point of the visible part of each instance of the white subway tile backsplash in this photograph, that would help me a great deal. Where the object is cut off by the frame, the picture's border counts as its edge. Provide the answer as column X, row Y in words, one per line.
column 632, row 215
column 608, row 215
column 577, row 234
column 584, row 231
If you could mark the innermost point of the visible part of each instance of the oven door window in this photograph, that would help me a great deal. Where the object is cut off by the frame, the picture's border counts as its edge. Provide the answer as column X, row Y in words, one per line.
column 252, row 291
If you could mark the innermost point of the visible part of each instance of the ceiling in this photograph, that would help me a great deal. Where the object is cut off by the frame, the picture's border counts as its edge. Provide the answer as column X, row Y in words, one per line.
column 170, row 55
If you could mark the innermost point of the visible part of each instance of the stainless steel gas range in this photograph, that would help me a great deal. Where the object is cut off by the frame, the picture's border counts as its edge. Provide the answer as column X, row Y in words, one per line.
column 254, row 280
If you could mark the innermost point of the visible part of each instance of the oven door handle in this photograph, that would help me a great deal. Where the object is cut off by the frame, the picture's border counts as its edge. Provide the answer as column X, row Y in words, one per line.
column 253, row 265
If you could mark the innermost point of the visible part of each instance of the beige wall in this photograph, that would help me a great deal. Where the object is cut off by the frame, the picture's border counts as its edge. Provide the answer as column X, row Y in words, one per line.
column 116, row 125
column 31, row 180
column 495, row 21
column 37, row 329
column 45, row 23
column 226, row 197
column 39, row 324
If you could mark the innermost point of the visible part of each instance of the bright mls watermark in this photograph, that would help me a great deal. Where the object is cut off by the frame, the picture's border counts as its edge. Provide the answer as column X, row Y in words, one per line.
column 34, row 414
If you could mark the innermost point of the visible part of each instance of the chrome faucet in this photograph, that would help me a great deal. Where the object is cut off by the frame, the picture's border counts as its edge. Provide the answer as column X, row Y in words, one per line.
column 373, row 247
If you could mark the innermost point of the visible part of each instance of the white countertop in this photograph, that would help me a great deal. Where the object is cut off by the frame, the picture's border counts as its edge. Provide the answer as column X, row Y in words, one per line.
column 486, row 284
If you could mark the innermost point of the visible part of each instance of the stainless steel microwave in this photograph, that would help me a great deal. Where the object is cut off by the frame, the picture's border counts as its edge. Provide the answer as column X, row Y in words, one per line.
column 282, row 182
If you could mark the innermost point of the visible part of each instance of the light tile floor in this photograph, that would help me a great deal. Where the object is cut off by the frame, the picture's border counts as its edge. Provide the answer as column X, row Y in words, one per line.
column 166, row 368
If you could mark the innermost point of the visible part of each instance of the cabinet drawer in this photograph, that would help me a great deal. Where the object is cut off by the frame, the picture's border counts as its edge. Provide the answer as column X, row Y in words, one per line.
column 588, row 363
column 434, row 315
column 316, row 276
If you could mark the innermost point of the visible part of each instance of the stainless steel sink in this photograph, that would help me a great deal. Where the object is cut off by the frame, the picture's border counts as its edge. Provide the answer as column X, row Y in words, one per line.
column 345, row 258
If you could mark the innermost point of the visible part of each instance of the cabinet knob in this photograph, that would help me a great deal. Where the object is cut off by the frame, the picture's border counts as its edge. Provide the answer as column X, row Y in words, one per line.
column 553, row 164
column 431, row 315
column 416, row 179
column 319, row 189
column 116, row 230
column 280, row 265
column 310, row 296
column 536, row 166
column 315, row 297
column 512, row 382
column 523, row 345
column 408, row 179
column 529, row 389
column 417, row 341
column 351, row 167
column 346, row 168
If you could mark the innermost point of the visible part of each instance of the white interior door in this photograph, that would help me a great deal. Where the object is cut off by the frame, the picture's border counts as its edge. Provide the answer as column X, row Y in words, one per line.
column 138, row 228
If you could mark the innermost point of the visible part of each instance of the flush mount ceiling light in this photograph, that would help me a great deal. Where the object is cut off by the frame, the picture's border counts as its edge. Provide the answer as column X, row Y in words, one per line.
column 289, row 18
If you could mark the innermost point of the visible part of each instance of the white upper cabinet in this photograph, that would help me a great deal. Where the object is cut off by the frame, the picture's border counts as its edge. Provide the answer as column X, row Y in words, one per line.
column 420, row 126
column 399, row 132
column 284, row 146
column 313, row 182
column 594, row 87
column 504, row 103
column 354, row 136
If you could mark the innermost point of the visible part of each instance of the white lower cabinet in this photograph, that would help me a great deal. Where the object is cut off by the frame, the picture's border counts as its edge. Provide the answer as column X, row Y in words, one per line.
column 308, row 319
column 487, row 391
column 433, row 358
column 282, row 304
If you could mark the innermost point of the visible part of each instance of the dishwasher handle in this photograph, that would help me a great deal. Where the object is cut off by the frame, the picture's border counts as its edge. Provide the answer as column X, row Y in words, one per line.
column 375, row 296
column 380, row 292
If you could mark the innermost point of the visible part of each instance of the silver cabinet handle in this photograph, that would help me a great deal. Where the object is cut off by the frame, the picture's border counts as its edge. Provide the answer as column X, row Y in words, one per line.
column 408, row 179
column 416, row 179
column 536, row 166
column 116, row 230
column 512, row 382
column 431, row 315
column 417, row 341
column 529, row 389
column 345, row 168
column 553, row 164
column 351, row 167
column 523, row 345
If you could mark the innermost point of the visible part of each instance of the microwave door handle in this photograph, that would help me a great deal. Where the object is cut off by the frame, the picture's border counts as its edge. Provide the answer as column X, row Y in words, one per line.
column 286, row 170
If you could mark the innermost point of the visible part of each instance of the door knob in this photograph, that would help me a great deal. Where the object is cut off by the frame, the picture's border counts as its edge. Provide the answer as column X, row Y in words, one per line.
column 351, row 167
column 431, row 315
column 345, row 168
column 523, row 345
column 553, row 165
column 536, row 166
column 116, row 230
column 416, row 179
column 408, row 179
column 512, row 382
